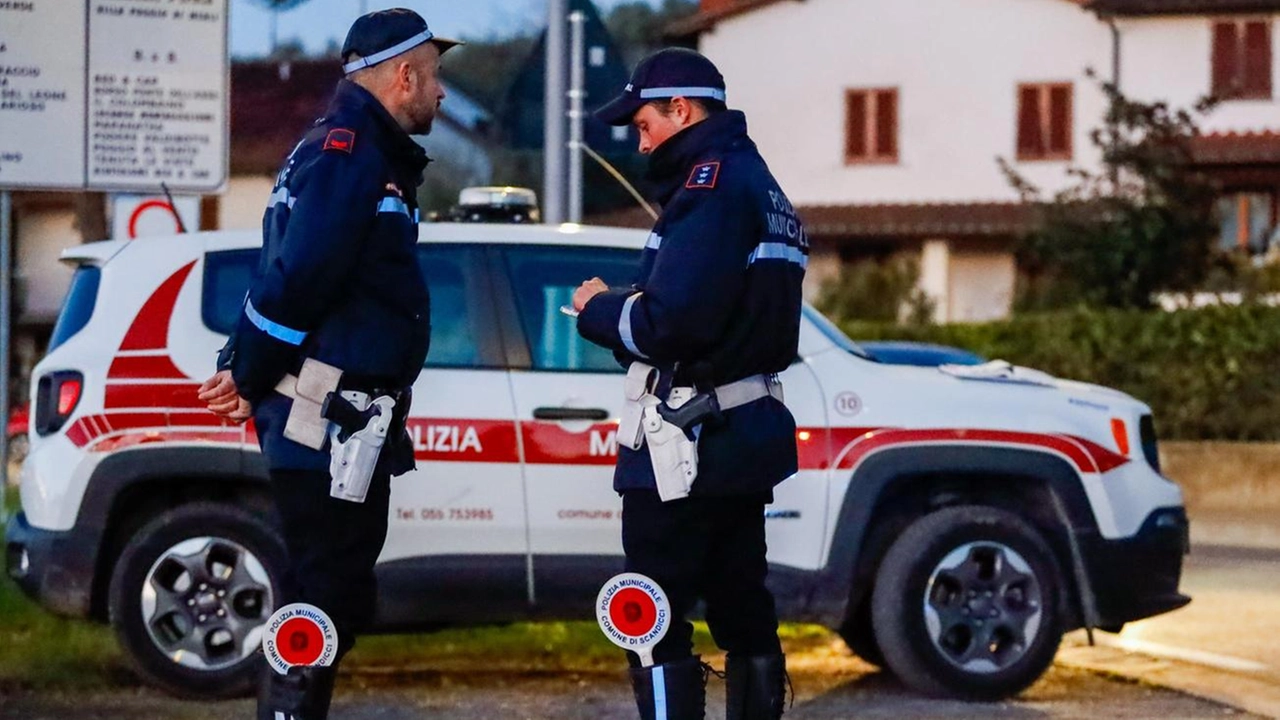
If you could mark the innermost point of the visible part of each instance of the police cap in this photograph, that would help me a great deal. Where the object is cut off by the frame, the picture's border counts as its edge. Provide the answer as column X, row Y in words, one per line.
column 674, row 72
column 384, row 34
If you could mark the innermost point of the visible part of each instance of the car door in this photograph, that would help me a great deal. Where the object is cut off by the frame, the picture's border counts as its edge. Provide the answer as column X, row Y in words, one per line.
column 568, row 397
column 456, row 547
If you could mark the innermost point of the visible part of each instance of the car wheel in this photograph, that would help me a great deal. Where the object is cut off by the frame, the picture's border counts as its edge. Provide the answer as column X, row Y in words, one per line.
column 967, row 604
column 190, row 595
column 858, row 634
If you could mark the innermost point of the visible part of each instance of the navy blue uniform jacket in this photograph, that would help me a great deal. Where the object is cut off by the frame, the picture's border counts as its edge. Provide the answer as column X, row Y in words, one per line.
column 338, row 279
column 717, row 300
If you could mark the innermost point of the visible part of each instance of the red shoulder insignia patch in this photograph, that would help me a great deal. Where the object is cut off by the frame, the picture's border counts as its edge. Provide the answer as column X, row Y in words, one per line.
column 340, row 139
column 704, row 176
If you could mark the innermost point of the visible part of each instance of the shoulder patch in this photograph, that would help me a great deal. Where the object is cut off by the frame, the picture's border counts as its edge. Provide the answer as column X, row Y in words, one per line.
column 704, row 176
column 340, row 139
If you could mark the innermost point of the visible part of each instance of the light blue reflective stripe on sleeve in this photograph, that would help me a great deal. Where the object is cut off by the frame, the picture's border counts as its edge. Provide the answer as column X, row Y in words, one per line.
column 659, row 693
column 393, row 205
column 389, row 53
column 670, row 92
column 281, row 195
column 778, row 251
column 274, row 329
column 417, row 215
column 654, row 242
column 624, row 326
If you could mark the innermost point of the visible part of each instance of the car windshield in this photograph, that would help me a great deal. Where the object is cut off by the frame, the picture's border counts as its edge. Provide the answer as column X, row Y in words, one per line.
column 834, row 334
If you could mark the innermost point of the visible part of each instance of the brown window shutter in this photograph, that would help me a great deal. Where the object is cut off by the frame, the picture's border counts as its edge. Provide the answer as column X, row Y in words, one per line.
column 1257, row 60
column 887, row 124
column 855, row 141
column 1060, row 119
column 1030, row 137
column 1226, row 54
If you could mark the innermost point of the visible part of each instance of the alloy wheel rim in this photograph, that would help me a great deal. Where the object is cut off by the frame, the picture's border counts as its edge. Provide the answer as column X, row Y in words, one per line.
column 205, row 602
column 983, row 607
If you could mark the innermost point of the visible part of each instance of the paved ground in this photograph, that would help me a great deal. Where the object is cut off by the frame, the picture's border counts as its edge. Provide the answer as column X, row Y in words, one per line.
column 828, row 685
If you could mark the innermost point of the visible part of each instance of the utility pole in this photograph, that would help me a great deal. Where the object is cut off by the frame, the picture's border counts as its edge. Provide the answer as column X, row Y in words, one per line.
column 577, row 93
column 553, row 178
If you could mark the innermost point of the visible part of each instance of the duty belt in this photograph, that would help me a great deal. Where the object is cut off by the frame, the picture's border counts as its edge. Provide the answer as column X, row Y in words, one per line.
column 671, row 427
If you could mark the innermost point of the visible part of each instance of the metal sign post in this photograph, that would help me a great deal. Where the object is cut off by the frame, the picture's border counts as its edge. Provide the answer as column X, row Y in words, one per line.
column 577, row 93
column 553, row 177
column 6, row 266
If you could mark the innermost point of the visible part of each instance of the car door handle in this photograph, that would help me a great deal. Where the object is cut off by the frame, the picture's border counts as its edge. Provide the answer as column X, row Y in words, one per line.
column 570, row 413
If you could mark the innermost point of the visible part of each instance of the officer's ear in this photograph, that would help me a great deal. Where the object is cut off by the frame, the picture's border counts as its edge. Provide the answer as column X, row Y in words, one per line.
column 685, row 112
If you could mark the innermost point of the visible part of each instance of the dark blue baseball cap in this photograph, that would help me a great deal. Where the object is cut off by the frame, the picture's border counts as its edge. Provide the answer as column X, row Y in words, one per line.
column 674, row 72
column 384, row 34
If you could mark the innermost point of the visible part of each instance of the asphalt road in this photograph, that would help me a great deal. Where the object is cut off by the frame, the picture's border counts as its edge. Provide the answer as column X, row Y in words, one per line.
column 1223, row 647
column 829, row 684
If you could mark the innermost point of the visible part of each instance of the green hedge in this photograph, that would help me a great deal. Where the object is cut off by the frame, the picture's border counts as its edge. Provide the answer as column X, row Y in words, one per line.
column 1211, row 373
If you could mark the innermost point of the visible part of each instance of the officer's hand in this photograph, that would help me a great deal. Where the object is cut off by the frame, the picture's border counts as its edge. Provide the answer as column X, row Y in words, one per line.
column 243, row 411
column 586, row 291
column 219, row 389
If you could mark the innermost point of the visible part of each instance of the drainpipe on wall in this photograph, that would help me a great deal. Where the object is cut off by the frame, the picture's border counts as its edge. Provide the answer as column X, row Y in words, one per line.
column 1115, row 50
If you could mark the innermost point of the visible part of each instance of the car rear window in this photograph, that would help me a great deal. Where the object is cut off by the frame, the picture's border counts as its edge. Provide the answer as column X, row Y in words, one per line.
column 227, row 275
column 77, row 308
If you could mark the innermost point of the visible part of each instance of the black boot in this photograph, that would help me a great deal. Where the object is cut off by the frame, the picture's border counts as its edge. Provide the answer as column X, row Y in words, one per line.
column 671, row 691
column 303, row 694
column 755, row 686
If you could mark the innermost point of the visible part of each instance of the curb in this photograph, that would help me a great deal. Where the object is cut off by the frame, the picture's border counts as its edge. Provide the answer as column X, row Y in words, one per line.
column 1237, row 690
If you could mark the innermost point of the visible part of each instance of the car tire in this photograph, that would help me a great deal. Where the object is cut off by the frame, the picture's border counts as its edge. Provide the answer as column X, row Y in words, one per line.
column 967, row 603
column 858, row 634
column 189, row 597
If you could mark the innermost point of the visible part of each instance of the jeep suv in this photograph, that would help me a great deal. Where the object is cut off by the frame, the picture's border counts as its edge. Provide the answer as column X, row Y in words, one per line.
column 950, row 523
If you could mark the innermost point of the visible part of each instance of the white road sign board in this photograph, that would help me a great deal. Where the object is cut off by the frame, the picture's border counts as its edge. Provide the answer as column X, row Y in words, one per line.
column 113, row 94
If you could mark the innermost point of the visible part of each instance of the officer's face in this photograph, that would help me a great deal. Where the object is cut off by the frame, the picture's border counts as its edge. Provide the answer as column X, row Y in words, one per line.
column 655, row 127
column 424, row 90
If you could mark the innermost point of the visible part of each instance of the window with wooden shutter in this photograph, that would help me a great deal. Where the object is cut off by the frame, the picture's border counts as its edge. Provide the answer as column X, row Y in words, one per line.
column 871, row 126
column 1044, row 121
column 1241, row 60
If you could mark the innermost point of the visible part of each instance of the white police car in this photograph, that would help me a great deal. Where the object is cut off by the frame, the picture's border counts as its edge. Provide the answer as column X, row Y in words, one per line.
column 950, row 523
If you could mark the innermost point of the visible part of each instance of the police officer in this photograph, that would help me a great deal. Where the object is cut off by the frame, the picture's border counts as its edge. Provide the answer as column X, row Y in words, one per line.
column 716, row 307
column 338, row 282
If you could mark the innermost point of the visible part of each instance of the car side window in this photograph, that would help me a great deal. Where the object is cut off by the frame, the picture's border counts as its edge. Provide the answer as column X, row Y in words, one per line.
column 461, row 310
column 543, row 279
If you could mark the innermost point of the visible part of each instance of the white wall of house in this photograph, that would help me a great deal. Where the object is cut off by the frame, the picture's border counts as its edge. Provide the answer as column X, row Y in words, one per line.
column 957, row 65
column 42, row 235
column 1169, row 58
column 242, row 205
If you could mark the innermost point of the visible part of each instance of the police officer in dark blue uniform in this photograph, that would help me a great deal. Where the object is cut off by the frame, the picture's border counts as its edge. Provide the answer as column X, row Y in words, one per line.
column 338, row 282
column 717, row 308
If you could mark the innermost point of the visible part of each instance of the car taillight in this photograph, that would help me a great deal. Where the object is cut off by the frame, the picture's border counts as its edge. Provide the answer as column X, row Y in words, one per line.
column 68, row 396
column 57, row 396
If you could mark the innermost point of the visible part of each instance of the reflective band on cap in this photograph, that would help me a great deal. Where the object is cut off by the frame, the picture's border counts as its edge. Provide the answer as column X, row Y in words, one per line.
column 624, row 326
column 670, row 92
column 659, row 693
column 275, row 330
column 394, row 50
column 778, row 251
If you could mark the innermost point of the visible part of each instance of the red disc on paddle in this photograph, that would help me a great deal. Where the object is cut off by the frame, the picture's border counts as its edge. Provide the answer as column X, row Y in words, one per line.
column 300, row 641
column 633, row 611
